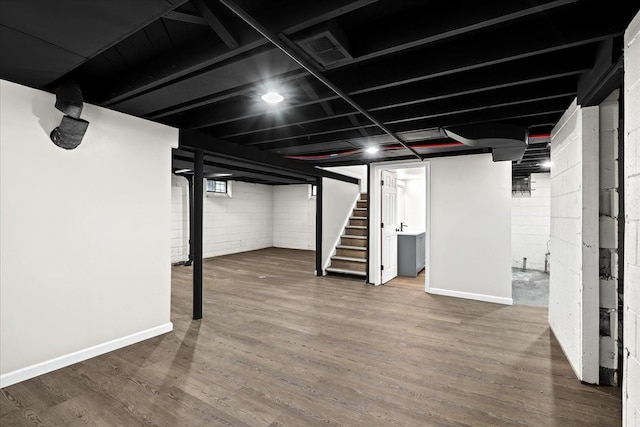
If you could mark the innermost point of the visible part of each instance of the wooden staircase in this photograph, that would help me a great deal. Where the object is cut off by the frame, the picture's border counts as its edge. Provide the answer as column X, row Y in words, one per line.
column 351, row 254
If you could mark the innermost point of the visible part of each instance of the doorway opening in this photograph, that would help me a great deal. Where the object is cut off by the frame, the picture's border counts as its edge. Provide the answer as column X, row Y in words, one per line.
column 399, row 251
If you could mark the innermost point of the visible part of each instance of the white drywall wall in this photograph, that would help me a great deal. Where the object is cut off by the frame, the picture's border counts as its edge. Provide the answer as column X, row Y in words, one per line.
column 337, row 204
column 294, row 217
column 85, row 234
column 531, row 223
column 470, row 209
column 574, row 276
column 415, row 194
column 179, row 219
column 357, row 171
column 631, row 315
column 243, row 222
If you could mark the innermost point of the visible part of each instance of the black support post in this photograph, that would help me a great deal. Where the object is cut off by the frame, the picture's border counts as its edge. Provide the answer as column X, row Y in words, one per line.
column 319, row 226
column 196, row 237
column 191, row 232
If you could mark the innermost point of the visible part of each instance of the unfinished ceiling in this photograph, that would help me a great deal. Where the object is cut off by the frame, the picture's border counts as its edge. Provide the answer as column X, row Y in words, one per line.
column 398, row 75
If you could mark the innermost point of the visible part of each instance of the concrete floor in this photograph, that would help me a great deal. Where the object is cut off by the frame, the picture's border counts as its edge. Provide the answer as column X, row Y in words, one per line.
column 530, row 287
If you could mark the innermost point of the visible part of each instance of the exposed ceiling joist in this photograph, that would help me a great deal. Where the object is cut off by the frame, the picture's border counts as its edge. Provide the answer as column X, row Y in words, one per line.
column 312, row 69
column 185, row 17
column 183, row 61
column 206, row 10
column 199, row 141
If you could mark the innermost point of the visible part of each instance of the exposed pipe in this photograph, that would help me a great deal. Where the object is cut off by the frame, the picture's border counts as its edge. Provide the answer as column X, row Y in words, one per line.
column 311, row 69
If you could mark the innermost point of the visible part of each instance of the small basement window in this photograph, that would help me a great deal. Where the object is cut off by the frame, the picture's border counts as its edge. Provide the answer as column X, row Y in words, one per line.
column 521, row 186
column 314, row 190
column 214, row 186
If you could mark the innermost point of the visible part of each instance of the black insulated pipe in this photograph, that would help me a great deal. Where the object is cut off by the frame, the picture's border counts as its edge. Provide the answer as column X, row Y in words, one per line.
column 311, row 69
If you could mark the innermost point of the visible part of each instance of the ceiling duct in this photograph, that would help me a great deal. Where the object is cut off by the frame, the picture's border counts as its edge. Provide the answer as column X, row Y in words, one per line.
column 326, row 43
column 507, row 142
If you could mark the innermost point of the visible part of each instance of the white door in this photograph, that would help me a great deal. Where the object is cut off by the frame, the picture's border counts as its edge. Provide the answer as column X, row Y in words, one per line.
column 388, row 232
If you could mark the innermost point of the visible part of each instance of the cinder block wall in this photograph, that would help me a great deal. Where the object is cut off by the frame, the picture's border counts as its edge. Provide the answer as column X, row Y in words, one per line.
column 294, row 217
column 243, row 222
column 573, row 284
column 531, row 223
column 631, row 353
column 255, row 217
column 179, row 219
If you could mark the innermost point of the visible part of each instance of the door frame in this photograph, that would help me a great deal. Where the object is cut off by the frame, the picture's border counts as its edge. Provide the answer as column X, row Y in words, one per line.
column 375, row 175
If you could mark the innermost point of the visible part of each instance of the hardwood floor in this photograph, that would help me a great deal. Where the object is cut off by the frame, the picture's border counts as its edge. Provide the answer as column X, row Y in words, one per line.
column 406, row 282
column 281, row 347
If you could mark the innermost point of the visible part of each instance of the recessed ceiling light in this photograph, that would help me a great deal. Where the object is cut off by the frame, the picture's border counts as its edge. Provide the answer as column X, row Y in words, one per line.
column 372, row 150
column 272, row 97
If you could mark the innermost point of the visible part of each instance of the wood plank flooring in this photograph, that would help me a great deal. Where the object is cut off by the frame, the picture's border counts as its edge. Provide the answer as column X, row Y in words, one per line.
column 281, row 347
column 407, row 282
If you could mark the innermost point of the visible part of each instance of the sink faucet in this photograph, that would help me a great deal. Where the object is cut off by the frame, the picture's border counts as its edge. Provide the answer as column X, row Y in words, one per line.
column 402, row 225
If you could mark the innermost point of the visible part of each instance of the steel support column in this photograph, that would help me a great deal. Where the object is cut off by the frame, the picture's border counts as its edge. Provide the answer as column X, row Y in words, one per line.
column 196, row 237
column 319, row 270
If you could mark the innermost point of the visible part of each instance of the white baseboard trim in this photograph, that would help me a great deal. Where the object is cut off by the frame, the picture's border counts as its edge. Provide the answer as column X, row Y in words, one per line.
column 469, row 295
column 33, row 371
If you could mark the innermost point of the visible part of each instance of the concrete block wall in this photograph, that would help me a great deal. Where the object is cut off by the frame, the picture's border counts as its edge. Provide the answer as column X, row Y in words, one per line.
column 294, row 217
column 631, row 351
column 608, row 236
column 531, row 223
column 179, row 219
column 574, row 284
column 240, row 223
column 255, row 217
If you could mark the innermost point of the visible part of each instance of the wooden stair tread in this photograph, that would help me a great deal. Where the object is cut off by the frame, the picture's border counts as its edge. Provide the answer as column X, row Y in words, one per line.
column 351, row 236
column 357, row 217
column 345, row 271
column 361, row 227
column 348, row 258
column 353, row 248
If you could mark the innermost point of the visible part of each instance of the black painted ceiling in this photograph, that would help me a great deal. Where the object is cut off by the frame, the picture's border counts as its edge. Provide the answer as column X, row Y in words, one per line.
column 416, row 66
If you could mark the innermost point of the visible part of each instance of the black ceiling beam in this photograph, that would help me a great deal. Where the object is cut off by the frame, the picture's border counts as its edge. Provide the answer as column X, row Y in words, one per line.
column 606, row 75
column 219, row 148
column 412, row 113
column 230, row 162
column 185, row 17
column 492, row 47
column 206, row 10
column 440, row 107
column 526, row 70
column 182, row 162
column 236, row 107
column 241, row 70
column 182, row 61
column 363, row 158
column 520, row 114
column 384, row 38
column 312, row 69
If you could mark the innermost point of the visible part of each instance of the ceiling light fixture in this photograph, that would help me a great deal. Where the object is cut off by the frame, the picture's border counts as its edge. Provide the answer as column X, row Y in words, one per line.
column 183, row 171
column 272, row 97
column 372, row 150
column 546, row 165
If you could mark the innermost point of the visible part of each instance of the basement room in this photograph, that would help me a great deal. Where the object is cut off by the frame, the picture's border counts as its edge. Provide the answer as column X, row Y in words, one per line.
column 346, row 212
